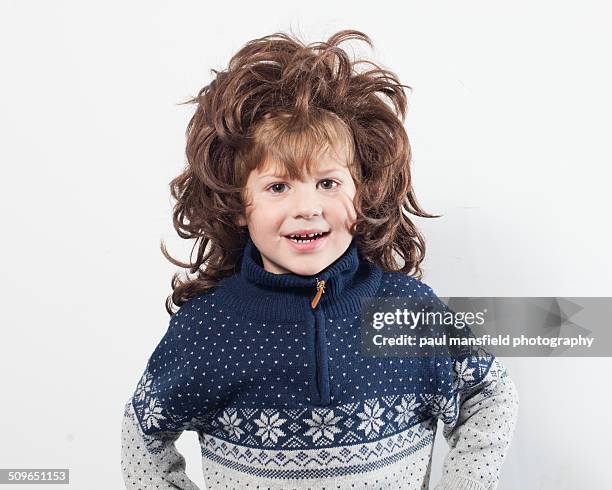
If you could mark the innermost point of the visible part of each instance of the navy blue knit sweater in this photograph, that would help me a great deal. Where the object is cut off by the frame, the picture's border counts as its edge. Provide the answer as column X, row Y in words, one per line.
column 281, row 396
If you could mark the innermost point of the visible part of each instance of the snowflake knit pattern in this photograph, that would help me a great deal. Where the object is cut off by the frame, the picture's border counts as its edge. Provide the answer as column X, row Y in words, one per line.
column 281, row 397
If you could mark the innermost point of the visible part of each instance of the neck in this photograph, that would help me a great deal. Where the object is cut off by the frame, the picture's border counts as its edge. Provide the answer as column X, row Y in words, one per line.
column 260, row 294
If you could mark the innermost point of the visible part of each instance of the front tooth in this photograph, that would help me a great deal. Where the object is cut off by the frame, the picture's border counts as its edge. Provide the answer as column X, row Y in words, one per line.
column 306, row 236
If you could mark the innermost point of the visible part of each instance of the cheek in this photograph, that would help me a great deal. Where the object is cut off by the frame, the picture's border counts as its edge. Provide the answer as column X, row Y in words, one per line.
column 344, row 207
column 265, row 217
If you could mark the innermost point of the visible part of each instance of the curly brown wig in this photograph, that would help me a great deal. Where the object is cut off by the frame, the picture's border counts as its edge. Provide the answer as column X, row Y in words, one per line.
column 285, row 99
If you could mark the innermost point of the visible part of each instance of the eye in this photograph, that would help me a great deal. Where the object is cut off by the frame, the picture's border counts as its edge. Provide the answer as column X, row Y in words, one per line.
column 275, row 186
column 330, row 181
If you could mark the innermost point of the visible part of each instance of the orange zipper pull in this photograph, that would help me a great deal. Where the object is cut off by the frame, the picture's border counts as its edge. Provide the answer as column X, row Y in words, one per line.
column 320, row 291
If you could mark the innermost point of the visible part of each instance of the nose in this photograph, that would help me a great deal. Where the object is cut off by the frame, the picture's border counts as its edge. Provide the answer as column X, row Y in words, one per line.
column 307, row 203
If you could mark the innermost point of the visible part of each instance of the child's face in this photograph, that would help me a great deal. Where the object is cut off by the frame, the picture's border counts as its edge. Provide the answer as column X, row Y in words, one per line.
column 280, row 207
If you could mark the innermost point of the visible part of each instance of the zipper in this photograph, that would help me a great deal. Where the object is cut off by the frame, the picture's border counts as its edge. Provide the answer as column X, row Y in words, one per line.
column 320, row 290
column 322, row 360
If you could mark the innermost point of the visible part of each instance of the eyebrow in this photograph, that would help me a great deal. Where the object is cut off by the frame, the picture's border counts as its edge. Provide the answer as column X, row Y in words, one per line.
column 317, row 172
column 281, row 176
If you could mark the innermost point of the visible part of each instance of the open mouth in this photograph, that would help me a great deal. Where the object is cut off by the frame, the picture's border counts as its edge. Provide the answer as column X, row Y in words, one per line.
column 307, row 238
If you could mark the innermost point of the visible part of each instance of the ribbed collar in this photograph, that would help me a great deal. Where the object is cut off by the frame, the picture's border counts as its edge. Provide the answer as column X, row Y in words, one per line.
column 263, row 295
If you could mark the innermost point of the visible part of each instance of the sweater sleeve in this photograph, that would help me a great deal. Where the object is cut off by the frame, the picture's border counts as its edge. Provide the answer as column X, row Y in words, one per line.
column 477, row 402
column 152, row 424
column 151, row 461
column 478, row 428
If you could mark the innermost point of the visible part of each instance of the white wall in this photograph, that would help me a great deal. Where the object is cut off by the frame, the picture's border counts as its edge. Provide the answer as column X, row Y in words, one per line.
column 509, row 122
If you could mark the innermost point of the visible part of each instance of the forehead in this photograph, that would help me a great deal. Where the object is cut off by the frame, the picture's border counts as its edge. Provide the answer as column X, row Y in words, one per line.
column 294, row 150
column 324, row 160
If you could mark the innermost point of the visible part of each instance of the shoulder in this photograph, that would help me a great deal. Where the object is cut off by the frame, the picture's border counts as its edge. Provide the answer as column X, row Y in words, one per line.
column 399, row 284
column 194, row 310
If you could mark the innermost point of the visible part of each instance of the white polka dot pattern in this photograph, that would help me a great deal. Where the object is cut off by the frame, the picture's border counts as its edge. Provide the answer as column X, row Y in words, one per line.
column 481, row 433
column 150, row 461
column 289, row 402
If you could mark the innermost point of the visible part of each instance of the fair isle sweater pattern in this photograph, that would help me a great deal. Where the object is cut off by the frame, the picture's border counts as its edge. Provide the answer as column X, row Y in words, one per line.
column 231, row 436
column 278, row 392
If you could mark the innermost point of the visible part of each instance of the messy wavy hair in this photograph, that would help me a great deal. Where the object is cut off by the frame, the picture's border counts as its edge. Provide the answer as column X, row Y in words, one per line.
column 280, row 98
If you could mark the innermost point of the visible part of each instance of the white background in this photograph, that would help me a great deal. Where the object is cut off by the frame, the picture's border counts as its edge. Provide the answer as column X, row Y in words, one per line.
column 509, row 121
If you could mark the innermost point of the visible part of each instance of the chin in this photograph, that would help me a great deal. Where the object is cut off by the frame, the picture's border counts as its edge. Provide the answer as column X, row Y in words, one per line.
column 306, row 271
